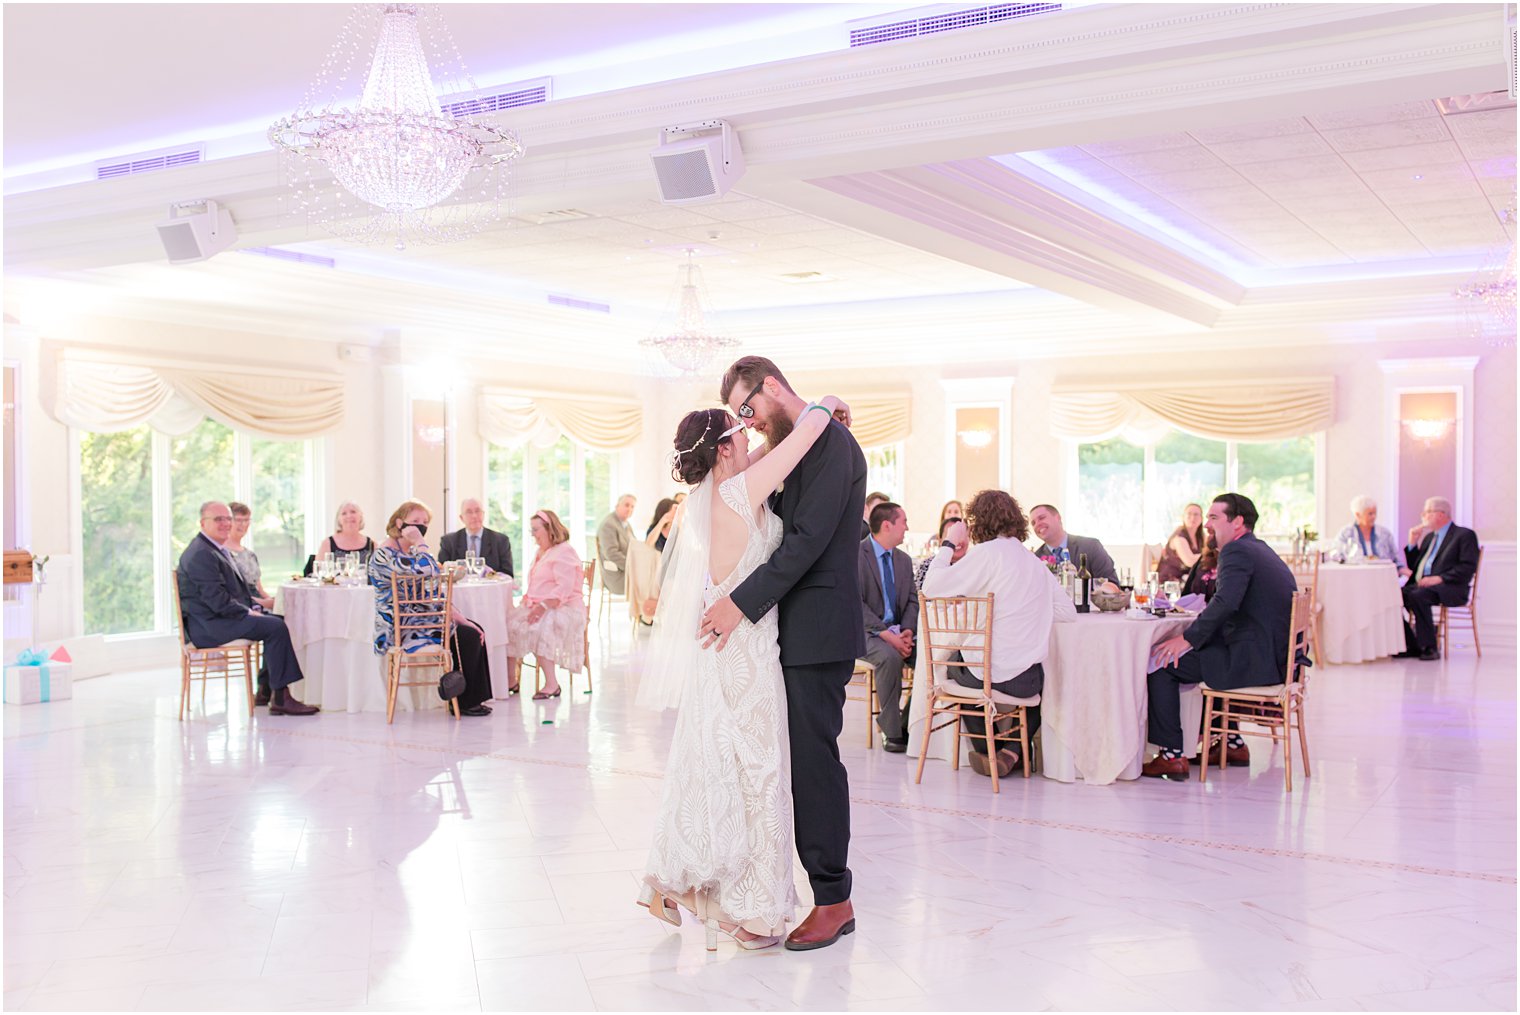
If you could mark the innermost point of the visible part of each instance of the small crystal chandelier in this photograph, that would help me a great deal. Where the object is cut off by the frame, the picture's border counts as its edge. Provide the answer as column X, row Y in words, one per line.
column 687, row 343
column 396, row 155
column 1492, row 289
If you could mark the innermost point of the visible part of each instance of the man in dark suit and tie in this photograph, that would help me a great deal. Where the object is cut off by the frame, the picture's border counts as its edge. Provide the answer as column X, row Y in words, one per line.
column 812, row 580
column 1442, row 557
column 890, row 611
column 1058, row 543
column 1241, row 638
column 217, row 609
column 489, row 545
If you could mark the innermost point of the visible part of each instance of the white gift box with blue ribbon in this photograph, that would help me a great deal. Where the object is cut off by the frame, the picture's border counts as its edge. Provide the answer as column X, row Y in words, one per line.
column 34, row 678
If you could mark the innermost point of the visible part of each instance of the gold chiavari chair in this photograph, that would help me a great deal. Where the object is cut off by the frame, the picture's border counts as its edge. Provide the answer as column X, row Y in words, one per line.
column 965, row 624
column 219, row 661
column 862, row 687
column 1468, row 615
column 1279, row 708
column 420, row 605
column 1306, row 573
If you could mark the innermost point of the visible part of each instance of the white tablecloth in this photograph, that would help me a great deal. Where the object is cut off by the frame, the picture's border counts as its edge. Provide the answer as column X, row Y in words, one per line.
column 332, row 628
column 643, row 571
column 487, row 601
column 1363, row 615
column 1094, row 706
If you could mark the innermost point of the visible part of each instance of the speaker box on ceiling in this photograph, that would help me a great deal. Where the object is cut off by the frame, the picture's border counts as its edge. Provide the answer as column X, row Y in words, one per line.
column 198, row 236
column 702, row 163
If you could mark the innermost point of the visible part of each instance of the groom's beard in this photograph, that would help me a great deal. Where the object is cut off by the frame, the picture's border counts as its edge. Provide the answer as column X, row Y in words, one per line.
column 777, row 427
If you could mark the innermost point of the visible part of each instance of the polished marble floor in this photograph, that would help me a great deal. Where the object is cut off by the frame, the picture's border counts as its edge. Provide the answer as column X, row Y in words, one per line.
column 338, row 863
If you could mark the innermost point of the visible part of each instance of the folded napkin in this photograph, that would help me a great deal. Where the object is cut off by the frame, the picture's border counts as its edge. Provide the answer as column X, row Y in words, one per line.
column 1193, row 603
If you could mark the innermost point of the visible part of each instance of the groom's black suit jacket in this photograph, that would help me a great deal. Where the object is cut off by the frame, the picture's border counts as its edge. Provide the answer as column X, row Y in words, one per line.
column 813, row 574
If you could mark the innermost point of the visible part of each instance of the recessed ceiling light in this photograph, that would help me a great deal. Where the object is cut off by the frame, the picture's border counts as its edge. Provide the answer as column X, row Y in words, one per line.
column 1417, row 176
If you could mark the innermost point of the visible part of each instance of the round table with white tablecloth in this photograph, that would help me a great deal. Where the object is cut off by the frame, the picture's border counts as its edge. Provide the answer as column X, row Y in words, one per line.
column 1095, row 703
column 487, row 601
column 332, row 628
column 1362, row 612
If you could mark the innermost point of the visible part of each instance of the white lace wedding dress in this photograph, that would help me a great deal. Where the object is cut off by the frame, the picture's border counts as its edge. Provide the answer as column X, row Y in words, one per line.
column 723, row 842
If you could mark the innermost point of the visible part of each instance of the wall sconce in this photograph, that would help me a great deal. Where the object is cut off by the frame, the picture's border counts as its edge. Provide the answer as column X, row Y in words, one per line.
column 1427, row 431
column 432, row 436
column 975, row 439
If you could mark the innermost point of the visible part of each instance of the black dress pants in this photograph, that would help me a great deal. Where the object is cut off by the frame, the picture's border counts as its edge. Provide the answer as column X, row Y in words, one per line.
column 1421, row 604
column 279, row 667
column 820, row 785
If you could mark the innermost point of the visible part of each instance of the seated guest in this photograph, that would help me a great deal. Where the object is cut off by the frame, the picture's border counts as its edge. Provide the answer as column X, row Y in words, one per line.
column 1241, row 637
column 950, row 511
column 612, row 539
column 872, row 499
column 923, row 565
column 659, row 526
column 246, row 560
column 1028, row 600
column 217, row 608
column 1443, row 557
column 1364, row 537
column 1183, row 547
column 406, row 552
column 550, row 621
column 489, row 545
column 1202, row 577
column 890, row 608
column 1060, row 544
column 348, row 537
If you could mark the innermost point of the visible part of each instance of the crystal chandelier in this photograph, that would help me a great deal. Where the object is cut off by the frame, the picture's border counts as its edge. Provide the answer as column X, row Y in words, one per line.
column 1493, row 288
column 396, row 155
column 687, row 343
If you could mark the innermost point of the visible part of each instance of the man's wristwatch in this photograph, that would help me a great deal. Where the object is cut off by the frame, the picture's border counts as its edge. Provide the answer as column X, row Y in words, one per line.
column 945, row 544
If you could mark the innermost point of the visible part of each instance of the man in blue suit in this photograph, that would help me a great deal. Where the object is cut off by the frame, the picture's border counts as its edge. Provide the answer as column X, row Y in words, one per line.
column 1241, row 637
column 216, row 608
column 1443, row 557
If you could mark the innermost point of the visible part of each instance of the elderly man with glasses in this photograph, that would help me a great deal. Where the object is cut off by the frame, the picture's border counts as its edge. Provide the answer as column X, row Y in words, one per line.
column 1443, row 557
column 216, row 608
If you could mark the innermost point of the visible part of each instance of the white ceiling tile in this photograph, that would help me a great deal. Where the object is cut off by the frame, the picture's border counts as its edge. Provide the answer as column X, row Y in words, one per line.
column 1485, row 124
column 1335, row 187
column 1169, row 161
column 1292, row 146
column 1399, row 134
column 1193, row 179
column 1156, row 142
column 1317, row 167
column 668, row 218
column 1423, row 193
column 1430, row 176
column 1377, row 114
column 1253, row 131
column 732, row 209
column 1488, row 148
column 1394, row 158
column 1499, row 186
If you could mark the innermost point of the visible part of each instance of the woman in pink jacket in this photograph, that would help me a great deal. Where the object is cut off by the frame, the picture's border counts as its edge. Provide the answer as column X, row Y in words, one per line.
column 550, row 621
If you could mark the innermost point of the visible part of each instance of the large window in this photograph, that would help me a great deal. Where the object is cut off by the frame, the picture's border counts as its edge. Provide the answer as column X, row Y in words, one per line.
column 140, row 498
column 577, row 483
column 884, row 470
column 1128, row 494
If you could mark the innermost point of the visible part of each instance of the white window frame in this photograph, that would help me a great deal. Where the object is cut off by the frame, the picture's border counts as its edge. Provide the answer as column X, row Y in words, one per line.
column 522, row 538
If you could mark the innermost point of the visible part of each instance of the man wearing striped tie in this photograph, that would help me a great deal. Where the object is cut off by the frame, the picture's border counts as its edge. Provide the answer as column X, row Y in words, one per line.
column 1443, row 557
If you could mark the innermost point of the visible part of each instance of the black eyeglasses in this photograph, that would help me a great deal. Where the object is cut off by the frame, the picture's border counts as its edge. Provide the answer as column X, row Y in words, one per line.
column 745, row 409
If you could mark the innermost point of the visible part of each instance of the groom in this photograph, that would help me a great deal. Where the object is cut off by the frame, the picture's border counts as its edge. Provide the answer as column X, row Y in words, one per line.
column 813, row 575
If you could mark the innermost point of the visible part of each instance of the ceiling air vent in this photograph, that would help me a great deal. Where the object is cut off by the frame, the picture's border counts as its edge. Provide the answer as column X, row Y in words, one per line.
column 291, row 255
column 950, row 21
column 555, row 299
column 149, row 162
column 495, row 100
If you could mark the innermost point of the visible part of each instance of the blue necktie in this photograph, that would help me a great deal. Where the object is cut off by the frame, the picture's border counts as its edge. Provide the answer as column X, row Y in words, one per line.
column 475, row 545
column 1430, row 558
column 888, row 588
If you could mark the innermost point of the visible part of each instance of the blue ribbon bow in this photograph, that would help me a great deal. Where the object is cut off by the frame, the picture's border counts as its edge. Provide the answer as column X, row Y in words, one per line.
column 34, row 657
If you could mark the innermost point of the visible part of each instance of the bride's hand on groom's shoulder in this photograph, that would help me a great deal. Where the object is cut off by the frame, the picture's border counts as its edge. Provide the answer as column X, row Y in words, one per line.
column 839, row 409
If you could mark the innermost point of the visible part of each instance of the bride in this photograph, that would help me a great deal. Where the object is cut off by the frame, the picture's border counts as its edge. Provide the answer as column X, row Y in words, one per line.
column 723, row 842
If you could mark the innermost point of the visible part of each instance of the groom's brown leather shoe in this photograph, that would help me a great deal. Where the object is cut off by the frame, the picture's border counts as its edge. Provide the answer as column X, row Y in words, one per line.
column 823, row 926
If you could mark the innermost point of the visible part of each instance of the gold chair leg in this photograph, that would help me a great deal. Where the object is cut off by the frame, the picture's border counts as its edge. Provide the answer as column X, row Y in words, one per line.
column 247, row 686
column 1287, row 742
column 1208, row 735
column 1024, row 742
column 184, row 687
column 923, row 745
column 1445, row 634
column 1477, row 645
column 392, row 675
column 955, row 756
column 989, row 713
column 1303, row 739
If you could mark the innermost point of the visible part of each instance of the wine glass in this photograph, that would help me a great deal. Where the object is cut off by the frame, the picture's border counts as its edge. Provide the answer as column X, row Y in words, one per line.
column 1173, row 590
column 1141, row 595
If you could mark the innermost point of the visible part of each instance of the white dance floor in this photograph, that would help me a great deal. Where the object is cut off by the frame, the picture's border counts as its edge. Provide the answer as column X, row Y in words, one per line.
column 337, row 863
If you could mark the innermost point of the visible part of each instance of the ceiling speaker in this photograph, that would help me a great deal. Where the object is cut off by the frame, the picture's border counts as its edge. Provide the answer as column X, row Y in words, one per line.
column 198, row 236
column 697, row 162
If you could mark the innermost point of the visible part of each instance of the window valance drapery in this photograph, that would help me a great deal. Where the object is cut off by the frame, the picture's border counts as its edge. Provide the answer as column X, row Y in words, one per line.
column 509, row 417
column 879, row 419
column 105, row 391
column 1269, row 410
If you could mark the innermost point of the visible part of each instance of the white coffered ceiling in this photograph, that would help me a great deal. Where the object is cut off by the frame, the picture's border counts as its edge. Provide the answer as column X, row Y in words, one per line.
column 1101, row 170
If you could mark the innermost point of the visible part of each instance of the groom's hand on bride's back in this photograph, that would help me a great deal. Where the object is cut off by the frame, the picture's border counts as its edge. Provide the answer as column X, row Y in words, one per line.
column 718, row 623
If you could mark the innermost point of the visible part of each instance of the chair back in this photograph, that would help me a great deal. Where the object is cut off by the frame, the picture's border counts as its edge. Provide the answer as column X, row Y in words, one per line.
column 420, row 607
column 1472, row 590
column 1150, row 556
column 960, row 623
column 179, row 616
column 1299, row 623
column 588, row 578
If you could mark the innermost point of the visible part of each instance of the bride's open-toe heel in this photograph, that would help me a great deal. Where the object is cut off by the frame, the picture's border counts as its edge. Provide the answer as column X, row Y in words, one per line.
column 749, row 944
column 660, row 907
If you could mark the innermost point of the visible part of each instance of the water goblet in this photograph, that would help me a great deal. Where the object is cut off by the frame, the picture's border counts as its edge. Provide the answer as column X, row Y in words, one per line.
column 1173, row 590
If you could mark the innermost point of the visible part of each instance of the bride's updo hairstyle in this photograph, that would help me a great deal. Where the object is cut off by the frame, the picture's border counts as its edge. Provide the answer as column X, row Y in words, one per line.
column 696, row 444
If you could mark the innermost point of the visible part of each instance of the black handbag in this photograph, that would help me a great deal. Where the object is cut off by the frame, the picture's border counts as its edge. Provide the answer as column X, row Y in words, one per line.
column 451, row 685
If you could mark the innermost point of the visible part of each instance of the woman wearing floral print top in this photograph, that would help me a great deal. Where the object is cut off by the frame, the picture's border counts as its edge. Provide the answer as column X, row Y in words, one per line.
column 405, row 552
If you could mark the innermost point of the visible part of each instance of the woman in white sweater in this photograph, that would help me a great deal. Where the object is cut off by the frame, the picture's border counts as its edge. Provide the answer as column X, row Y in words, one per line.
column 1028, row 600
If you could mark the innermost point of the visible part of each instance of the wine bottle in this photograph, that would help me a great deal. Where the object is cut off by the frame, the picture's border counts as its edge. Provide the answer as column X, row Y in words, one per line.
column 1084, row 587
